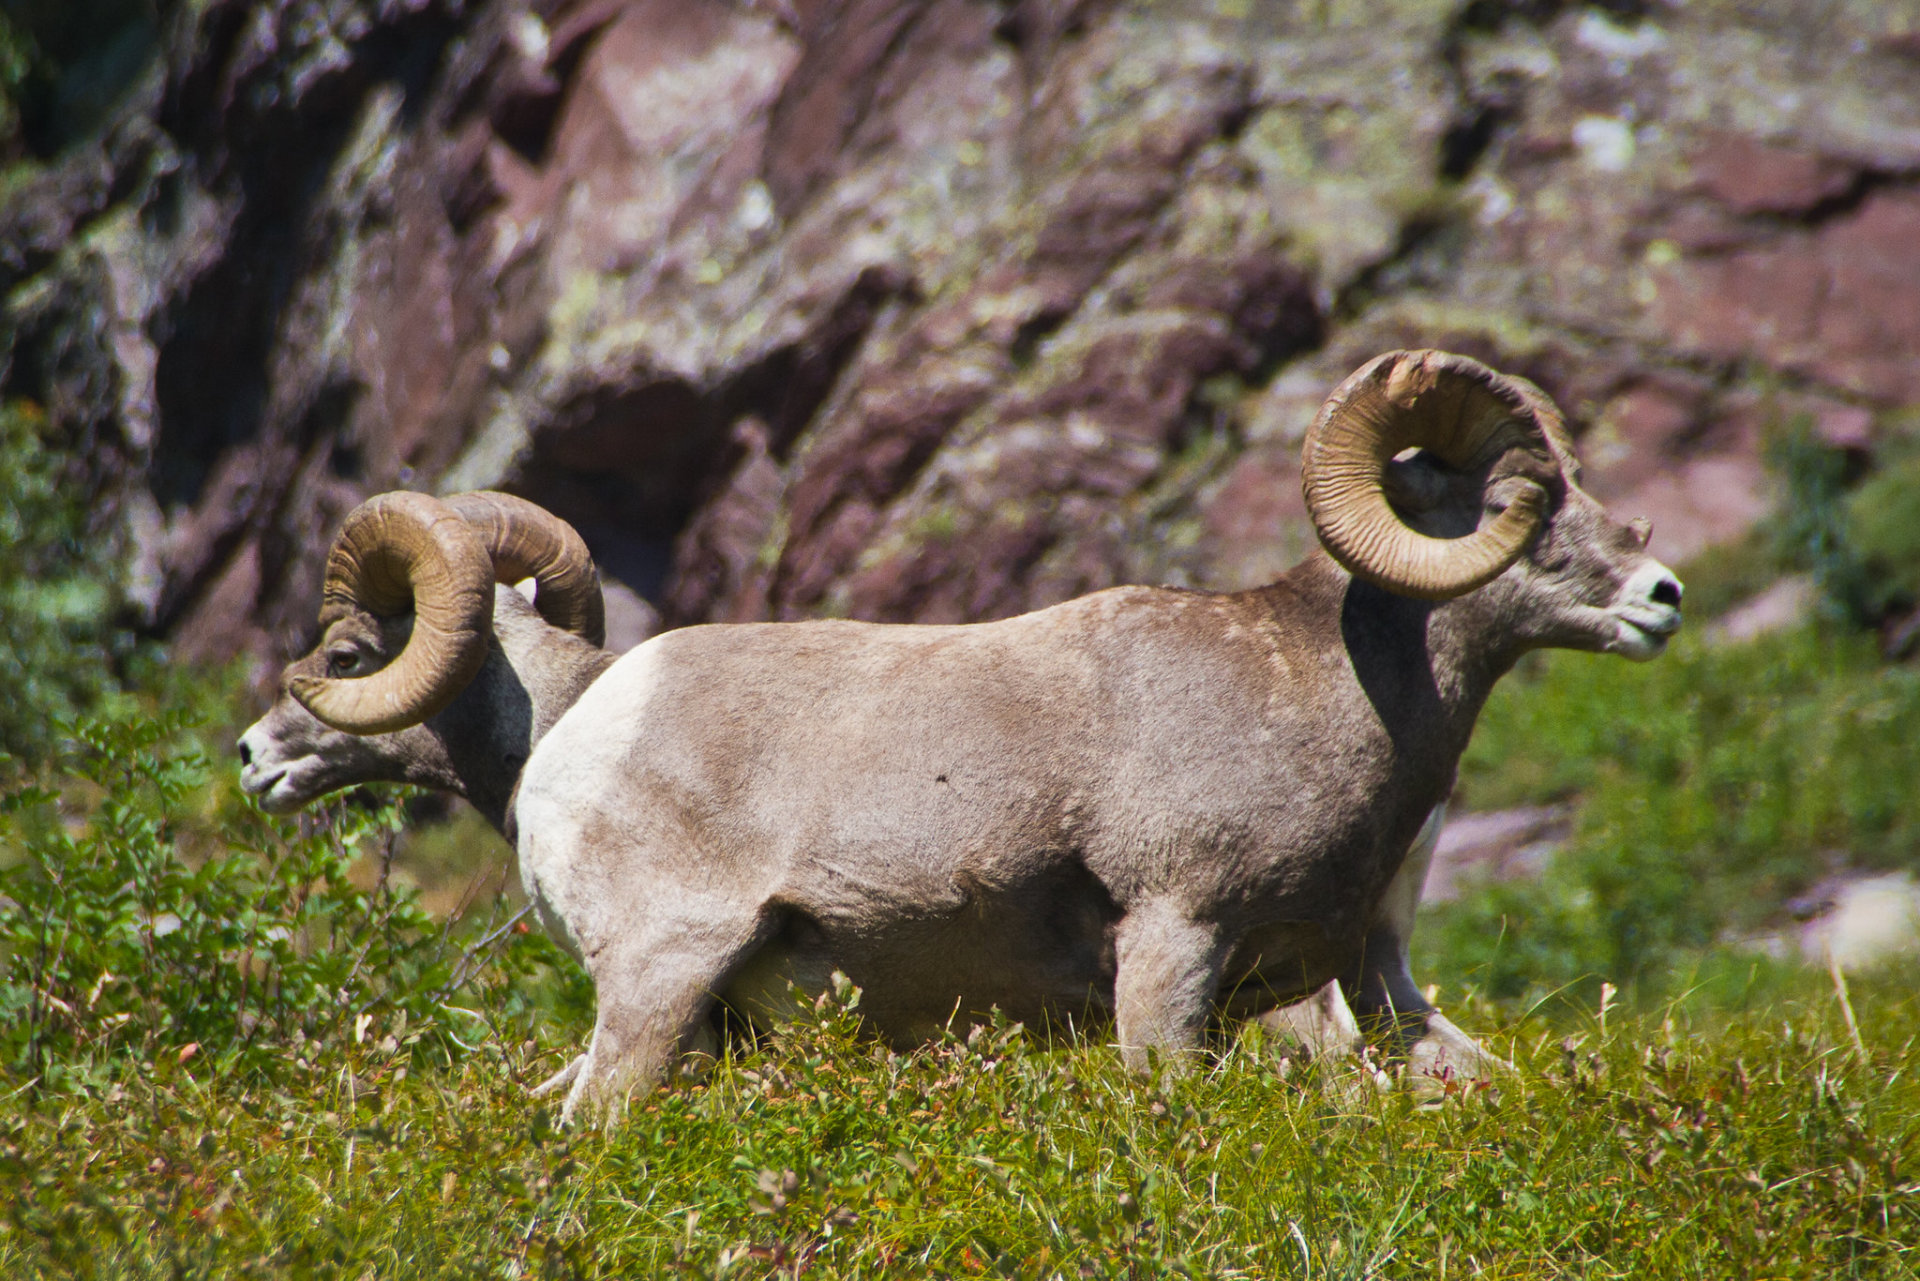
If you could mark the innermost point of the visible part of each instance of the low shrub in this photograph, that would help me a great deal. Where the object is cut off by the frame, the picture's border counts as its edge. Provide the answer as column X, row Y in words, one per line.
column 1675, row 1142
column 1883, row 526
column 56, row 603
column 257, row 950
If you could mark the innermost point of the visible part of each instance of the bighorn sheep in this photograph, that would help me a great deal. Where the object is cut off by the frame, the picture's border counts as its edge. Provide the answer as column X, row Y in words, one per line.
column 426, row 672
column 1154, row 804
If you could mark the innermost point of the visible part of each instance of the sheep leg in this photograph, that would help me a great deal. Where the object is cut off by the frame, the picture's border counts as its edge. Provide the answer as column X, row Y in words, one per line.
column 1167, row 967
column 565, row 1076
column 1385, row 998
column 654, row 989
column 1320, row 1027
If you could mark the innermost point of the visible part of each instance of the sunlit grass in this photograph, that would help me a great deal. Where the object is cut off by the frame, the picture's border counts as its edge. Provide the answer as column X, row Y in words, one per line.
column 1723, row 1118
column 1678, row 1141
column 1713, row 785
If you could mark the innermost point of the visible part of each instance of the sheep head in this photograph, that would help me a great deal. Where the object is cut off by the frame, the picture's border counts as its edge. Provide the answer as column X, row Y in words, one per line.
column 407, row 622
column 1432, row 476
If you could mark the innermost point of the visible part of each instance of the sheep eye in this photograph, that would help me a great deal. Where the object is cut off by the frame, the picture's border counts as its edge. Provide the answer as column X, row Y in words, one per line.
column 343, row 662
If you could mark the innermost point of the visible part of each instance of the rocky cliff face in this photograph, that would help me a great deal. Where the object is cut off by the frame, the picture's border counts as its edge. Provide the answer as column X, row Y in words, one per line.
column 938, row 310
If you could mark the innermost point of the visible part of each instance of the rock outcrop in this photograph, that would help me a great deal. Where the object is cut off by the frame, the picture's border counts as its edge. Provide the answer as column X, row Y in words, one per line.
column 937, row 310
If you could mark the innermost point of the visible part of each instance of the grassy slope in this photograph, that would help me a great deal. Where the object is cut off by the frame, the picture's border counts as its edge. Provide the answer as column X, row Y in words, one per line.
column 1722, row 1123
column 1716, row 783
column 1684, row 1142
column 1728, row 1129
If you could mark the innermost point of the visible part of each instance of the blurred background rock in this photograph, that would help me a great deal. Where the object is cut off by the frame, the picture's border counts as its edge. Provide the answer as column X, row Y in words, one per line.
column 934, row 311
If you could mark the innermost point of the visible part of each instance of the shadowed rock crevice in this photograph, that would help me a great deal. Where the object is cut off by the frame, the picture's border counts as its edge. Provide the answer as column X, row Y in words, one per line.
column 633, row 466
column 1491, row 16
column 216, row 345
column 87, row 54
column 1843, row 196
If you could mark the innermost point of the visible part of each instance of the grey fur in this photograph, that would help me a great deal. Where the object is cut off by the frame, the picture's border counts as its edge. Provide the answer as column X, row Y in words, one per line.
column 1152, row 805
column 1158, row 806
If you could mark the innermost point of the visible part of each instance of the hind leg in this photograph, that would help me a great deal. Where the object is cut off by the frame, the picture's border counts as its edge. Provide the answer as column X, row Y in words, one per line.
column 1167, row 970
column 654, row 985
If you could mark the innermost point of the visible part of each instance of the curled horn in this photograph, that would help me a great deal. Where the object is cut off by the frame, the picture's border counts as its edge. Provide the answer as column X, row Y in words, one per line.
column 526, row 541
column 396, row 553
column 1452, row 406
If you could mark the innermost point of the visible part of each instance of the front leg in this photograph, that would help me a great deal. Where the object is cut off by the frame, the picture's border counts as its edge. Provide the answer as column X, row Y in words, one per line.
column 1386, row 1001
column 655, row 981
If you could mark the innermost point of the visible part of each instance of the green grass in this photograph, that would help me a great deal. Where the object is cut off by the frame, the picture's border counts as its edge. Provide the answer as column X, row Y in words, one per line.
column 1721, row 1121
column 1725, row 574
column 1883, row 523
column 1714, row 784
column 364, row 1113
column 1733, row 1128
column 1686, row 1141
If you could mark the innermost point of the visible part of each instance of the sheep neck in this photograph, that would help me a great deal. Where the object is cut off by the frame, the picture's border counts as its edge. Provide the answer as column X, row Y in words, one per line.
column 535, row 673
column 1425, row 668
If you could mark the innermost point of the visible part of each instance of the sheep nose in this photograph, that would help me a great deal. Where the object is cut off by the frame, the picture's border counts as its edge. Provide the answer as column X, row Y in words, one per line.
column 1667, row 592
column 246, row 753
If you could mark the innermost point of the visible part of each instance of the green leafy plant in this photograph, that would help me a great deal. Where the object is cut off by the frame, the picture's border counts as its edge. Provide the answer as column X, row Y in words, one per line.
column 1882, row 524
column 1810, row 527
column 55, row 599
column 1716, row 784
column 1859, row 536
column 117, row 950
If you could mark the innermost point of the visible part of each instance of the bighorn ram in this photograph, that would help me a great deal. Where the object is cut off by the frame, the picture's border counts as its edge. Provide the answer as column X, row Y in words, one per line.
column 1153, row 804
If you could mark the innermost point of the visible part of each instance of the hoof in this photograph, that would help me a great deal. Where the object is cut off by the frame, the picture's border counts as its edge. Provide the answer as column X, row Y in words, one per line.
column 564, row 1076
column 1317, row 1029
column 1445, row 1055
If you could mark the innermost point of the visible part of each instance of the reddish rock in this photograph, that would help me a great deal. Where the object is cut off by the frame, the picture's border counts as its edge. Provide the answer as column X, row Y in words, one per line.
column 723, row 561
column 1494, row 845
column 1255, row 521
column 207, row 632
column 892, row 430
column 1641, row 433
column 934, row 310
column 1753, row 177
column 664, row 82
column 1834, row 302
column 1698, row 503
column 1868, row 334
column 1787, row 603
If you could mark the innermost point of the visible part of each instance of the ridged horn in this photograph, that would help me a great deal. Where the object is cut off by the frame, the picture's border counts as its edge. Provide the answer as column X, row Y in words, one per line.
column 396, row 553
column 1452, row 406
column 527, row 541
